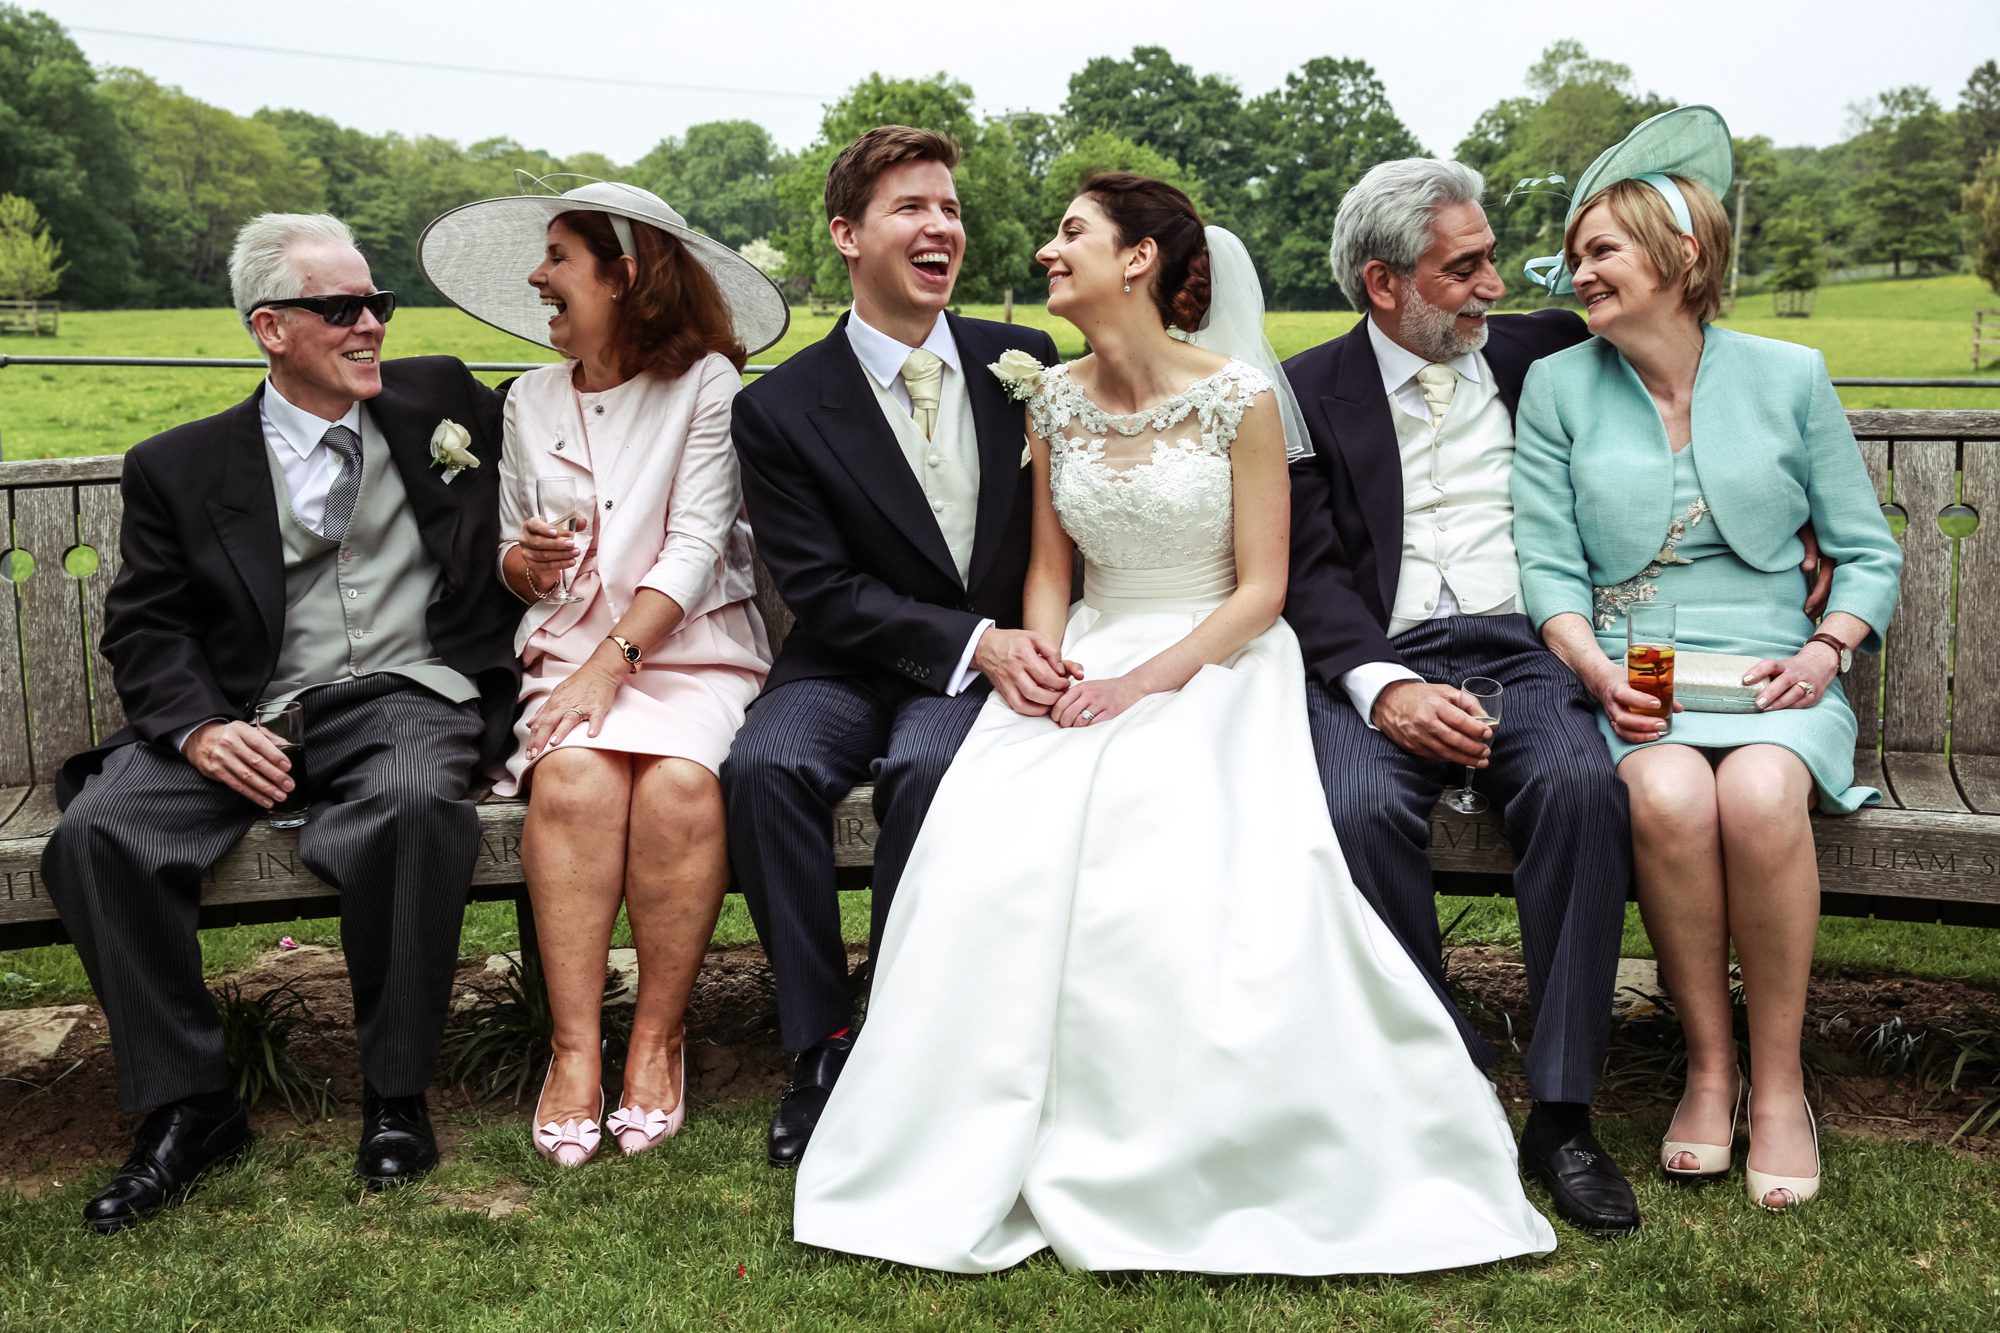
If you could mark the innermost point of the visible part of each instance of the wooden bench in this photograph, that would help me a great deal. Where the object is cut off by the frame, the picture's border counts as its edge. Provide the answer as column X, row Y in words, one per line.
column 1930, row 852
column 40, row 318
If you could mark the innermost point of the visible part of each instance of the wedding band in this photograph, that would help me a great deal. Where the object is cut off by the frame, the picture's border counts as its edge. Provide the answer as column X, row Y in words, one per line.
column 1086, row 715
column 1804, row 686
column 568, row 711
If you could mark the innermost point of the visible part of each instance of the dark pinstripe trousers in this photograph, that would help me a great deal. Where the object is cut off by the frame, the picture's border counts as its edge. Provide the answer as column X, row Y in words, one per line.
column 1563, row 808
column 388, row 768
column 802, row 748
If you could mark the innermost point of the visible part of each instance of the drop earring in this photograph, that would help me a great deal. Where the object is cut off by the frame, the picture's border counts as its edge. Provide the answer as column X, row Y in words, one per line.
column 1128, row 286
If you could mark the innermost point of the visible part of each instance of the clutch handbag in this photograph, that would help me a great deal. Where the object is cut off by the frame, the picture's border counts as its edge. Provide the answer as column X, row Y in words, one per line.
column 1713, row 682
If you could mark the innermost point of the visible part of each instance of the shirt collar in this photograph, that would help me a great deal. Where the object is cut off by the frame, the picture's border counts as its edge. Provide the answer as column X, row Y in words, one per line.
column 300, row 429
column 1399, row 365
column 883, row 357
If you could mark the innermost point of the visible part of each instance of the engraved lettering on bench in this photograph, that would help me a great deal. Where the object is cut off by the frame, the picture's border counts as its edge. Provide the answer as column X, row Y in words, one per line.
column 273, row 865
column 23, row 886
column 1473, row 837
column 1846, row 856
column 850, row 831
column 503, row 850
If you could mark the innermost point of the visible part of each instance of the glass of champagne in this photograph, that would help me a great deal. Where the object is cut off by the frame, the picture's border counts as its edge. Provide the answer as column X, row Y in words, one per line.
column 556, row 503
column 1479, row 696
column 286, row 724
column 1649, row 654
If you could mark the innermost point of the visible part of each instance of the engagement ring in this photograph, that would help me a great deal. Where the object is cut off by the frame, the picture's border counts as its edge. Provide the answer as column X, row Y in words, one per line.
column 1086, row 715
column 1804, row 686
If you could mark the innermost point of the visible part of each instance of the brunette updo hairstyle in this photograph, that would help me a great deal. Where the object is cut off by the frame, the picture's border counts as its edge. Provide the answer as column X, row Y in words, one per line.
column 673, row 314
column 1140, row 206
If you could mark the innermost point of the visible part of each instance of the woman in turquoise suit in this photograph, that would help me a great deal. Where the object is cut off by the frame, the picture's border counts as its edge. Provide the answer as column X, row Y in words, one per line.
column 1670, row 460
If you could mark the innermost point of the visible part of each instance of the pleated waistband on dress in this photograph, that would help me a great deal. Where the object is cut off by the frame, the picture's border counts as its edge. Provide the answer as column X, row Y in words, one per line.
column 1200, row 586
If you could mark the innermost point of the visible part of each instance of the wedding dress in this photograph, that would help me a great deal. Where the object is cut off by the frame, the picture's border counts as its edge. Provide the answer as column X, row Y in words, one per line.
column 1129, row 1005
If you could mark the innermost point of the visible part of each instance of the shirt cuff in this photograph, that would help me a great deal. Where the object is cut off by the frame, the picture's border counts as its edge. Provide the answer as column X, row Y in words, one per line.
column 965, row 675
column 1365, row 683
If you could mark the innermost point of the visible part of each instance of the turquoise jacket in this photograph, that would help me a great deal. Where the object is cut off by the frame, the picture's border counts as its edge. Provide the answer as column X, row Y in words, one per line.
column 1594, row 483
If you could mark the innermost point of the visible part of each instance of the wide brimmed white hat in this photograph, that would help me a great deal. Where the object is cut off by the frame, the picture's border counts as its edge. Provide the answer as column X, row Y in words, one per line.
column 479, row 256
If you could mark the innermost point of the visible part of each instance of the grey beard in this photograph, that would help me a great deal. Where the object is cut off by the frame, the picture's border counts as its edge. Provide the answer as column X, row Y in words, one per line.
column 1433, row 333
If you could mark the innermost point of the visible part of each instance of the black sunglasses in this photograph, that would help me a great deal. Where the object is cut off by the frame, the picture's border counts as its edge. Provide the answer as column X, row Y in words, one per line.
column 339, row 311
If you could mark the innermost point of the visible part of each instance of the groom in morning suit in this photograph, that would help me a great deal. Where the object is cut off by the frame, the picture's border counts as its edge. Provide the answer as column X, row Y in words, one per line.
column 1404, row 582
column 302, row 545
column 882, row 470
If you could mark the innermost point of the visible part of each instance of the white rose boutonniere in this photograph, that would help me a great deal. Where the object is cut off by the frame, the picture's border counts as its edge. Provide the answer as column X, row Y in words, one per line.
column 1019, row 373
column 451, row 449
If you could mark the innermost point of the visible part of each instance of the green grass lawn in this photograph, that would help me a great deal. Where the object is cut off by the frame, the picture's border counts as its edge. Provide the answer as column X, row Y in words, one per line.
column 1919, row 327
column 697, row 1236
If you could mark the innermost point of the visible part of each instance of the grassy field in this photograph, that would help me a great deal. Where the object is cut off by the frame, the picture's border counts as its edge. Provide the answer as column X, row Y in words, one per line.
column 1914, row 328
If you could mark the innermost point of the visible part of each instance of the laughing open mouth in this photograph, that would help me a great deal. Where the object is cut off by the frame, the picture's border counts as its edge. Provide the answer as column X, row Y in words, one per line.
column 937, row 263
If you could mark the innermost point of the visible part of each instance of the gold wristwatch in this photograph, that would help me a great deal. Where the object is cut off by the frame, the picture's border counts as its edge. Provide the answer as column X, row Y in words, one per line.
column 629, row 650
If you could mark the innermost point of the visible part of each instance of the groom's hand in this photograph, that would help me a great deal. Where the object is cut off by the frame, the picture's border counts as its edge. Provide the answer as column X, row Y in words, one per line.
column 1426, row 719
column 1024, row 667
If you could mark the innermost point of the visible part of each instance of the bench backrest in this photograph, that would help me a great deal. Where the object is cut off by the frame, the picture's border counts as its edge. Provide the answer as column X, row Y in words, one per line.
column 62, row 514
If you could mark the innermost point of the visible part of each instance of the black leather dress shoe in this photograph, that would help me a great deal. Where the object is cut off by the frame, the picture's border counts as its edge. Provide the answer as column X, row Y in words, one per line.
column 813, row 1076
column 177, row 1145
column 397, row 1145
column 1589, row 1191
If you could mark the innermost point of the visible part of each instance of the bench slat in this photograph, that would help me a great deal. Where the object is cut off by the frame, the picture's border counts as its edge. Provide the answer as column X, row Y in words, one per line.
column 34, row 816
column 1902, row 423
column 1979, row 779
column 1975, row 719
column 52, row 631
column 17, row 759
column 97, row 513
column 10, row 801
column 1919, row 648
column 1868, row 773
column 1922, row 782
column 1864, row 681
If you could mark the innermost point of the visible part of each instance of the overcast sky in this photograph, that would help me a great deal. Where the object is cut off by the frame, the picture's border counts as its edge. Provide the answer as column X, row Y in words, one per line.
column 1785, row 68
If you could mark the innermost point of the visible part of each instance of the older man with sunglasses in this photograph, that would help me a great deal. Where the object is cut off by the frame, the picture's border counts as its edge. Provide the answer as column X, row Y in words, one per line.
column 328, row 541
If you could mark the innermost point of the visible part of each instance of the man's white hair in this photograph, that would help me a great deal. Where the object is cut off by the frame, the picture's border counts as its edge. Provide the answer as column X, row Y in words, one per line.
column 1388, row 214
column 261, row 267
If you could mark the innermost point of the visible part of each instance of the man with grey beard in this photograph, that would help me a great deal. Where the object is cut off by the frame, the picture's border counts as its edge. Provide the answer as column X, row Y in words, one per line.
column 1403, row 584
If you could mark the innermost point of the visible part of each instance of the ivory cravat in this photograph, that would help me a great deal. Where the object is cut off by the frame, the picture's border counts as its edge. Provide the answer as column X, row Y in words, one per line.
column 1438, row 383
column 923, row 377
column 346, row 486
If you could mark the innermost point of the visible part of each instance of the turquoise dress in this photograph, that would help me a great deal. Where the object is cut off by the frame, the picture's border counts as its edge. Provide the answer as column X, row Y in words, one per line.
column 1729, row 606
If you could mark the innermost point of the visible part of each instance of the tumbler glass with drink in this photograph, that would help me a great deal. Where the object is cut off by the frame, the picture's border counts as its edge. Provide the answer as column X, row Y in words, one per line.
column 286, row 724
column 1649, row 654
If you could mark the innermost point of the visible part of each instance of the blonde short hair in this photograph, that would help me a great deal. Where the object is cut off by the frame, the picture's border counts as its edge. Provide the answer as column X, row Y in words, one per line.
column 1644, row 212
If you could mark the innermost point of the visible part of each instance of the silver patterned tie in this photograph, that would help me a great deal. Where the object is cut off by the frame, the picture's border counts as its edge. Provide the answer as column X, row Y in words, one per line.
column 346, row 486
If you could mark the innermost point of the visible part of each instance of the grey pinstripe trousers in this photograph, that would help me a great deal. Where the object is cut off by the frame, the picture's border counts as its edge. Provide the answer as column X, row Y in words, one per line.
column 389, row 765
column 1563, row 808
column 802, row 748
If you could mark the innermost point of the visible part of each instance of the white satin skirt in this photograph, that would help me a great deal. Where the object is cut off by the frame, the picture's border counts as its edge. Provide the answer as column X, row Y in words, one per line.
column 1130, row 1006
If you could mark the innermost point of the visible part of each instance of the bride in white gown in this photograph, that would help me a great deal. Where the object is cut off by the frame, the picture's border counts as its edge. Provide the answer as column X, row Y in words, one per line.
column 1129, row 1005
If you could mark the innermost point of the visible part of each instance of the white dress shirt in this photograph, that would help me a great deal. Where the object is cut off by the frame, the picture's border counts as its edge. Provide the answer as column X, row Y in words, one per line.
column 295, row 438
column 882, row 357
column 1456, row 472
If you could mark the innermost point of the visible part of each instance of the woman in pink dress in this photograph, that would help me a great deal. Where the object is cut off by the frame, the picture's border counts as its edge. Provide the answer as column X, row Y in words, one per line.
column 632, row 691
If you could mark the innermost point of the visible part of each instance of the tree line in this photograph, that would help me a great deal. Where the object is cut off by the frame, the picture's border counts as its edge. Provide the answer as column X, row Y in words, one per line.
column 120, row 191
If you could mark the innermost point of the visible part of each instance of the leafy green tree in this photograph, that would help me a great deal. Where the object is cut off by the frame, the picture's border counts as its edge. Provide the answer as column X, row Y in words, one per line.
column 62, row 149
column 1910, row 193
column 1796, row 245
column 203, row 172
column 719, row 178
column 1578, row 106
column 1096, row 153
column 1982, row 220
column 30, row 259
column 1317, row 136
column 1159, row 103
column 1979, row 116
column 992, row 185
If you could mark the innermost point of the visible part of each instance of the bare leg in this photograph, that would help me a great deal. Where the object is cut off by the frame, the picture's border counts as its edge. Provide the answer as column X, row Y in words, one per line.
column 1677, row 860
column 573, row 858
column 677, row 869
column 1765, row 794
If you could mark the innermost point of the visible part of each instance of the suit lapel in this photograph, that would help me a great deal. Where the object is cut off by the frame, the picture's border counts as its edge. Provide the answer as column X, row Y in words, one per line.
column 1508, row 358
column 1358, row 416
column 407, row 431
column 1000, row 424
column 244, row 511
column 849, row 419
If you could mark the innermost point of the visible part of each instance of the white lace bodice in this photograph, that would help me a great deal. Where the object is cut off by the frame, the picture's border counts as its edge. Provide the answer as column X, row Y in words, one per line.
column 1151, row 490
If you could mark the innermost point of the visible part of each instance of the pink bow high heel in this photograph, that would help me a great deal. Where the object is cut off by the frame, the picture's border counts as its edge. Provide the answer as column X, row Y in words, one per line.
column 639, row 1130
column 571, row 1142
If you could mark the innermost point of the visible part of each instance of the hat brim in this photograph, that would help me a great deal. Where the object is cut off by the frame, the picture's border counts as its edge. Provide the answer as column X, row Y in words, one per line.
column 479, row 255
column 1688, row 141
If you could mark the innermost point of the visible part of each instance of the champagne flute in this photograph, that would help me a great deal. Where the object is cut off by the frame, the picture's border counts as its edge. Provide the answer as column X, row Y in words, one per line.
column 1480, row 696
column 556, row 503
column 286, row 724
